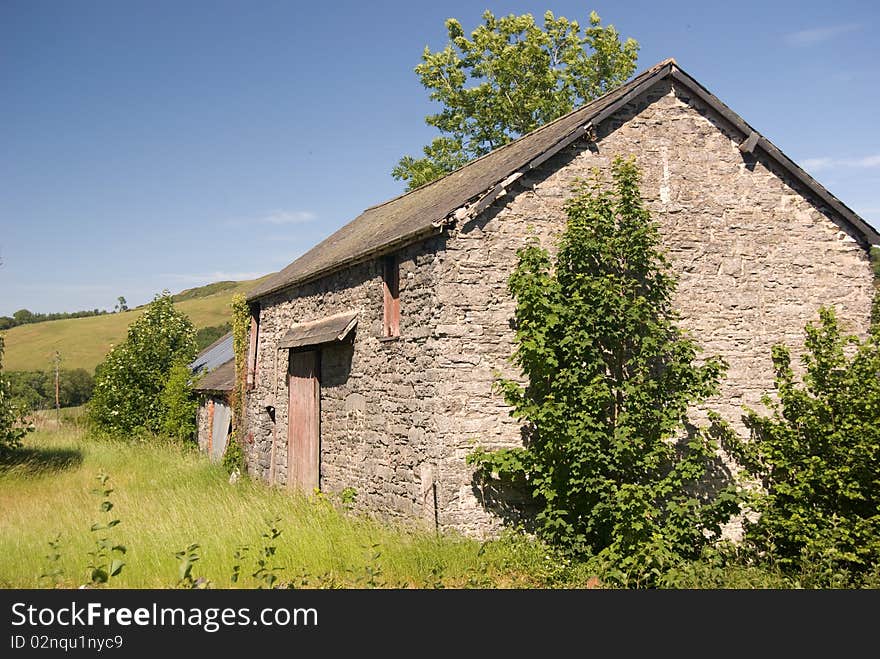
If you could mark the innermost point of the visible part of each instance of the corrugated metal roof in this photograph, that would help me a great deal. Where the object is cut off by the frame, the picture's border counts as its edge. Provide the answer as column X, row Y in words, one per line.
column 425, row 209
column 215, row 355
column 327, row 330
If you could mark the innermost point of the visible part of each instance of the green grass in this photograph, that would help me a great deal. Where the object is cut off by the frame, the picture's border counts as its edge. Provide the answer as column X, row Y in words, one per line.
column 168, row 497
column 83, row 342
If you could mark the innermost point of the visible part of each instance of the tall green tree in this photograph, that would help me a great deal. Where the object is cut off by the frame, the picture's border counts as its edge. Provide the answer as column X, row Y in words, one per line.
column 510, row 77
column 610, row 461
column 130, row 380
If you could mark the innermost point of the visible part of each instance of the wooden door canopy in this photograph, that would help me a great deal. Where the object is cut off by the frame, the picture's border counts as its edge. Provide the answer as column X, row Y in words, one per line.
column 333, row 329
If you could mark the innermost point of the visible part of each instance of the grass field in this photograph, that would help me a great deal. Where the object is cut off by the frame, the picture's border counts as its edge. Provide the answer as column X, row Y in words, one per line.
column 83, row 342
column 167, row 497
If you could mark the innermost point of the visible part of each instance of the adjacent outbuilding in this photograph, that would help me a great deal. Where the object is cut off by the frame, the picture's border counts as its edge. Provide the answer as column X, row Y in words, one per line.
column 214, row 375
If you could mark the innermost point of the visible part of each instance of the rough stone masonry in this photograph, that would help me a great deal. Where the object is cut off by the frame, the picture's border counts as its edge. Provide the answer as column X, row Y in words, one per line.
column 755, row 252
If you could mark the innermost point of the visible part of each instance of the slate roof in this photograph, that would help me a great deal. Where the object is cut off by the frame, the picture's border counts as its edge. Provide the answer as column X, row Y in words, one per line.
column 424, row 210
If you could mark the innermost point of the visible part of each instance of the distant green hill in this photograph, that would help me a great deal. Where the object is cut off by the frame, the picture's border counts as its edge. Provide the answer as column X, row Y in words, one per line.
column 83, row 342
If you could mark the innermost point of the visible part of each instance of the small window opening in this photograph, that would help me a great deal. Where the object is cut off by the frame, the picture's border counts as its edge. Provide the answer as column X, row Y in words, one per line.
column 391, row 286
column 253, row 345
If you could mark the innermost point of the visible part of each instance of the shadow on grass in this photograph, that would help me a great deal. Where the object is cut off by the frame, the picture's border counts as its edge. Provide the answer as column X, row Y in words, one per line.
column 39, row 461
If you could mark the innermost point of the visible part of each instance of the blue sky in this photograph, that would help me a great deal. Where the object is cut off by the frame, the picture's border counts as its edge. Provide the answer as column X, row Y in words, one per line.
column 153, row 145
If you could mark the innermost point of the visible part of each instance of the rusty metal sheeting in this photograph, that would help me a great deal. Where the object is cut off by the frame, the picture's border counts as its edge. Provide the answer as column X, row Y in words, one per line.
column 332, row 329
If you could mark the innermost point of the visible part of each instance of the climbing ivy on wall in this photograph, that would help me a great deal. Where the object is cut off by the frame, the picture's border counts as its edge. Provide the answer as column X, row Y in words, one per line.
column 233, row 458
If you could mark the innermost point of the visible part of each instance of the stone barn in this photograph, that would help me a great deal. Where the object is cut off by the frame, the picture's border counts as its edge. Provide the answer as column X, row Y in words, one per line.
column 372, row 356
column 214, row 374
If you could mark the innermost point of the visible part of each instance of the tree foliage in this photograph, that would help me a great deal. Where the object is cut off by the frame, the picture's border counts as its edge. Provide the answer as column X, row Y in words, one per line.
column 817, row 455
column 205, row 336
column 609, row 378
column 13, row 426
column 129, row 381
column 510, row 77
column 179, row 405
column 35, row 390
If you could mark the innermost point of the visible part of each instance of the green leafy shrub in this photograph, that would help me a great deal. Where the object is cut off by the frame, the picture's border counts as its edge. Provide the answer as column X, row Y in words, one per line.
column 130, row 380
column 105, row 561
column 233, row 457
column 817, row 455
column 179, row 405
column 186, row 560
column 13, row 426
column 609, row 380
column 726, row 567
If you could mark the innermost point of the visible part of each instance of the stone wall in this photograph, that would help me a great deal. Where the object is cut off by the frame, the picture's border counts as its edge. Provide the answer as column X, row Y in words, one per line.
column 378, row 399
column 205, row 421
column 754, row 257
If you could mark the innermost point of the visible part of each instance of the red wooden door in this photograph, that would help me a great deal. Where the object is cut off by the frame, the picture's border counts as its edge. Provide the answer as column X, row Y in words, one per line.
column 304, row 422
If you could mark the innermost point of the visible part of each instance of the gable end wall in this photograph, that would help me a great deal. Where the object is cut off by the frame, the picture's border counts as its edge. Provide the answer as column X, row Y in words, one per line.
column 754, row 256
